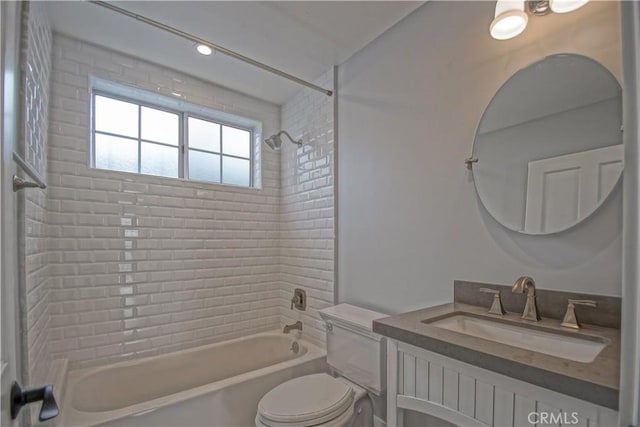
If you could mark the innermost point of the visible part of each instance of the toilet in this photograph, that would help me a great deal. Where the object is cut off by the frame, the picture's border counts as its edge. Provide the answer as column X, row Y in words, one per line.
column 356, row 355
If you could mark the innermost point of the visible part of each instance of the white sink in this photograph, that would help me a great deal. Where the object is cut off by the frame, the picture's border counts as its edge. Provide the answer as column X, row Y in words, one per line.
column 559, row 345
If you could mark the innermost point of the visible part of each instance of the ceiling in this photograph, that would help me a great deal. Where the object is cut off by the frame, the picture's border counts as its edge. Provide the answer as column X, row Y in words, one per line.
column 303, row 38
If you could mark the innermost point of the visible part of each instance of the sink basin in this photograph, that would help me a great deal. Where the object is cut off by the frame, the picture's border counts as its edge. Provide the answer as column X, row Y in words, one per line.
column 555, row 344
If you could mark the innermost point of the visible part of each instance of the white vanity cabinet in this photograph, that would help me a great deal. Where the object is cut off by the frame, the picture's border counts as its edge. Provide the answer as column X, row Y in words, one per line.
column 467, row 395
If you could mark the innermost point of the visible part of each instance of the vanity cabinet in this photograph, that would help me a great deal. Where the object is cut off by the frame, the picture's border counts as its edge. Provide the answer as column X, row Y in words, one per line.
column 468, row 396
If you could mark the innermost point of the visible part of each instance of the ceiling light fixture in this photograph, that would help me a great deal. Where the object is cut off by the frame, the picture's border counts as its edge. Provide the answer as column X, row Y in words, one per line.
column 565, row 6
column 509, row 21
column 203, row 49
column 510, row 18
column 539, row 8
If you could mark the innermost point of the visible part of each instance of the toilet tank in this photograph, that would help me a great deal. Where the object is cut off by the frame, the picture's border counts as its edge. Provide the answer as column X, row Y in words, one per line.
column 353, row 350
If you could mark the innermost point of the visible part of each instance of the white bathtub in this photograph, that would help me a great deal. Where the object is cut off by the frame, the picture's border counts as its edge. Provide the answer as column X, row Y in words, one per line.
column 214, row 385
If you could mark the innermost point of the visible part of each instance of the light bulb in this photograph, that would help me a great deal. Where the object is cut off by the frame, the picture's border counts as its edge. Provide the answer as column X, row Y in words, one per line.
column 204, row 49
column 565, row 6
column 508, row 25
column 510, row 19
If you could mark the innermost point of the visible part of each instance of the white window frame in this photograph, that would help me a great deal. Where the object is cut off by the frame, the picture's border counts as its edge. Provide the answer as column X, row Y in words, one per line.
column 185, row 148
column 184, row 110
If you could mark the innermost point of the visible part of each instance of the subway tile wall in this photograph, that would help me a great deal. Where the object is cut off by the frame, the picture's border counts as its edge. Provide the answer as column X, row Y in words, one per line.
column 307, row 209
column 34, row 272
column 142, row 265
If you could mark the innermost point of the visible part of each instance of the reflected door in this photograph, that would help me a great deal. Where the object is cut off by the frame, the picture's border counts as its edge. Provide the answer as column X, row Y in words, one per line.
column 562, row 190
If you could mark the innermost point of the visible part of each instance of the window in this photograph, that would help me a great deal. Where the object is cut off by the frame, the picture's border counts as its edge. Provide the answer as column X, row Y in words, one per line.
column 131, row 136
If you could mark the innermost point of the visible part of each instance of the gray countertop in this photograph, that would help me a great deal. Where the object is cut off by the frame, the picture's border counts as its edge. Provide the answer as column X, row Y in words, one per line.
column 595, row 382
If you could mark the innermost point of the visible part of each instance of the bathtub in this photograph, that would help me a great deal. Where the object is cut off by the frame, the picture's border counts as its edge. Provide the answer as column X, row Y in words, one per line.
column 214, row 385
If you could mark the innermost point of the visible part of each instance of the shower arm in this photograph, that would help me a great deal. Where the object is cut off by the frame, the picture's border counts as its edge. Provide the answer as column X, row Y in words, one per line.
column 298, row 142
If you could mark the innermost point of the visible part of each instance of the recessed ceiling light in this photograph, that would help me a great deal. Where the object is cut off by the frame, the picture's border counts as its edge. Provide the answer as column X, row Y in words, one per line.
column 204, row 49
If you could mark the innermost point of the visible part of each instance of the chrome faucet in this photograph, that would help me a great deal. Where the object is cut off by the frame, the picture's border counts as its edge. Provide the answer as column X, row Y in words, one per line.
column 297, row 325
column 530, row 310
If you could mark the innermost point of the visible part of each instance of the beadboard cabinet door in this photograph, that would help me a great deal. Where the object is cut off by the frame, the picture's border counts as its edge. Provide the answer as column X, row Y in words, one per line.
column 470, row 396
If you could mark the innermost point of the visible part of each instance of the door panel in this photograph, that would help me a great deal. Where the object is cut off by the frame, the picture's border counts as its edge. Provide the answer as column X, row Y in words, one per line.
column 9, row 299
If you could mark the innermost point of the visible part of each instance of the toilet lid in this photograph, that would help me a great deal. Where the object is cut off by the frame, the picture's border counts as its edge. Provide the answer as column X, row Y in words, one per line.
column 317, row 397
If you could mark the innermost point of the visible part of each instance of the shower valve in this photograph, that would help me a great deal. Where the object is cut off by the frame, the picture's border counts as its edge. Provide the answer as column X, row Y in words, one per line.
column 299, row 300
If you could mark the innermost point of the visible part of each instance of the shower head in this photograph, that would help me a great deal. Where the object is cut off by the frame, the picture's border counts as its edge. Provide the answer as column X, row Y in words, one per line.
column 275, row 141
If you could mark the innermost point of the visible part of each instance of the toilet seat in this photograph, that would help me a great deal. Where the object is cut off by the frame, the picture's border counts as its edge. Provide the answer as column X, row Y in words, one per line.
column 306, row 401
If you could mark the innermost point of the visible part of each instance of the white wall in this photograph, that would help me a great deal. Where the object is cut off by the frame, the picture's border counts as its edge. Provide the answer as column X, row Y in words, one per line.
column 306, row 206
column 141, row 265
column 409, row 218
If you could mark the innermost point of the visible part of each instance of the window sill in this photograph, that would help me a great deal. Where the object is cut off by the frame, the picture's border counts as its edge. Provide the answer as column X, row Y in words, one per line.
column 165, row 180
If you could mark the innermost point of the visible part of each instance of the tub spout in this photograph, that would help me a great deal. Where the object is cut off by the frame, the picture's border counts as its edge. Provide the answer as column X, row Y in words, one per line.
column 297, row 325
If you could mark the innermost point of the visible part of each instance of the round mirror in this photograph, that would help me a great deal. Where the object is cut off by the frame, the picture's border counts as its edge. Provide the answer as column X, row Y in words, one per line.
column 549, row 145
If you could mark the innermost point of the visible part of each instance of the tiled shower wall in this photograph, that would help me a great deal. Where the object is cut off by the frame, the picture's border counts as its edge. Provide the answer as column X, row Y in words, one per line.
column 34, row 272
column 307, row 209
column 142, row 265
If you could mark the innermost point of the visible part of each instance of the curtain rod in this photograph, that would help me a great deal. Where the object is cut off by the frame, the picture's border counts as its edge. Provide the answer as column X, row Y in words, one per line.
column 213, row 46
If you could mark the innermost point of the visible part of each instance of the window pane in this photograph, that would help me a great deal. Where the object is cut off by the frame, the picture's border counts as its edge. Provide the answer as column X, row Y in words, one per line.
column 159, row 160
column 204, row 166
column 118, row 154
column 236, row 171
column 115, row 116
column 236, row 142
column 160, row 126
column 204, row 135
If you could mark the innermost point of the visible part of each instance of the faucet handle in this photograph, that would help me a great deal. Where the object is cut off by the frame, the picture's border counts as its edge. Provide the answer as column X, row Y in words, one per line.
column 299, row 299
column 587, row 302
column 496, row 305
column 570, row 319
column 296, row 300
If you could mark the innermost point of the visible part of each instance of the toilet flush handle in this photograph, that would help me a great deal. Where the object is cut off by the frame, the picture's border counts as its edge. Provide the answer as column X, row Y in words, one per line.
column 328, row 326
